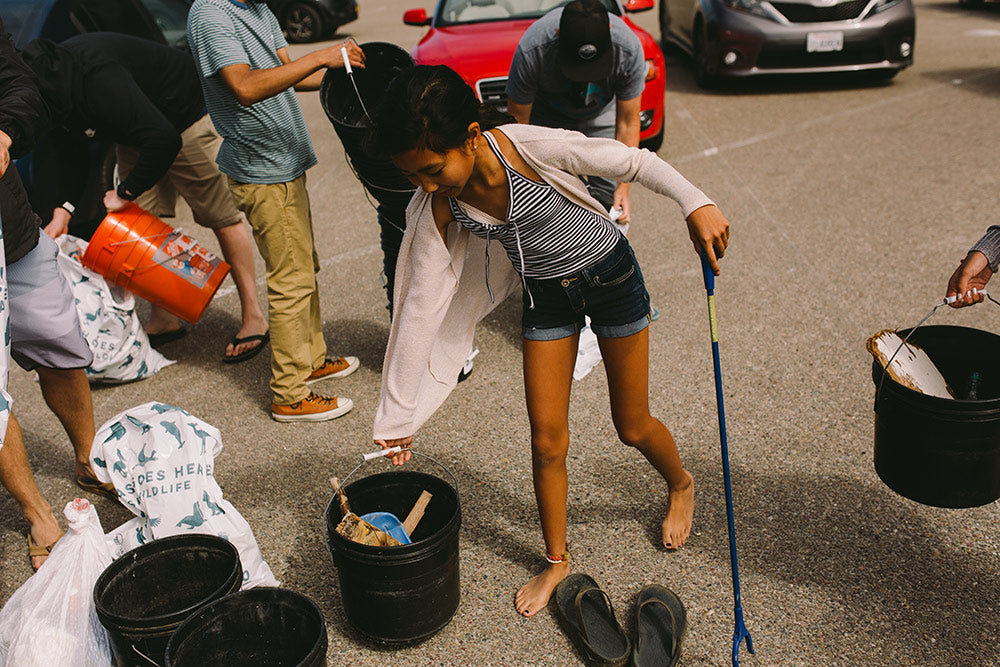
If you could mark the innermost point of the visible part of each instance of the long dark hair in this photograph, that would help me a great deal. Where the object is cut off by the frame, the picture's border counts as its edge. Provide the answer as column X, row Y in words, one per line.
column 430, row 106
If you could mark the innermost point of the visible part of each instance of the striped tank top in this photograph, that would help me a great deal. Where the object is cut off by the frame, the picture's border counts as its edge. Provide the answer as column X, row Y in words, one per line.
column 545, row 234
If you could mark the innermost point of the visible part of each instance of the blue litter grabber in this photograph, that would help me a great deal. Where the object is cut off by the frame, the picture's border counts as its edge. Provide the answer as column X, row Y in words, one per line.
column 740, row 630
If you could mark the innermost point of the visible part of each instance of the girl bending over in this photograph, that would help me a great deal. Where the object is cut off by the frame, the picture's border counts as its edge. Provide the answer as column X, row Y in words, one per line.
column 518, row 185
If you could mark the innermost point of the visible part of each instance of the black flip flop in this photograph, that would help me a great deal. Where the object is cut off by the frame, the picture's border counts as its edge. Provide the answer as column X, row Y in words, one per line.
column 585, row 611
column 660, row 622
column 248, row 354
column 158, row 339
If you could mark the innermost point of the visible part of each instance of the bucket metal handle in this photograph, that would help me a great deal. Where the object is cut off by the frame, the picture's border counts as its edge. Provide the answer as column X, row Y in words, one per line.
column 146, row 238
column 944, row 302
column 380, row 453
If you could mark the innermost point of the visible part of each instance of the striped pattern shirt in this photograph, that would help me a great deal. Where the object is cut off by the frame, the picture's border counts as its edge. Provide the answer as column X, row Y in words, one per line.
column 545, row 234
column 266, row 142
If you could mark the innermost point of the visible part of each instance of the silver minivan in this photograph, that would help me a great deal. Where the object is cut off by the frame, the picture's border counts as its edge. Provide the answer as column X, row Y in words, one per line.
column 739, row 38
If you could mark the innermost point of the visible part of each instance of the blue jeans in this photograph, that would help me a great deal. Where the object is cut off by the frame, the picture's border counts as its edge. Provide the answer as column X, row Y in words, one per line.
column 611, row 291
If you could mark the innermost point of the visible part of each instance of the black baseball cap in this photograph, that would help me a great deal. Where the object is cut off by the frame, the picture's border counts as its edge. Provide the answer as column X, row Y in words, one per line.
column 585, row 52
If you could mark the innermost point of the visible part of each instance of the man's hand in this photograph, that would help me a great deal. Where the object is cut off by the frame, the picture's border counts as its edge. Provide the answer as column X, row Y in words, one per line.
column 59, row 224
column 113, row 202
column 5, row 143
column 973, row 273
column 332, row 56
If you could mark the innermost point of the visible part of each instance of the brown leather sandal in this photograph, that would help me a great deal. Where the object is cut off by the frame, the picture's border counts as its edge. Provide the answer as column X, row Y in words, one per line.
column 37, row 550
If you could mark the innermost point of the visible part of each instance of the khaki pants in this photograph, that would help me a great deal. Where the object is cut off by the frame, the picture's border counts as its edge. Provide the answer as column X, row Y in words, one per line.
column 282, row 227
column 194, row 175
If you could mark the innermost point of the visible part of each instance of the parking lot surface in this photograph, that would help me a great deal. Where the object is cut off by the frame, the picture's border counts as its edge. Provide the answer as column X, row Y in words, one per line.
column 851, row 201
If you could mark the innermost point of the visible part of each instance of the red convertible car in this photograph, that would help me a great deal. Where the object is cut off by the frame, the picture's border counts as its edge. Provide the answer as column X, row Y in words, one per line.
column 477, row 39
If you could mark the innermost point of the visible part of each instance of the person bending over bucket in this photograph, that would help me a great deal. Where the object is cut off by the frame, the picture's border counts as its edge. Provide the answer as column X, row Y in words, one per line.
column 517, row 184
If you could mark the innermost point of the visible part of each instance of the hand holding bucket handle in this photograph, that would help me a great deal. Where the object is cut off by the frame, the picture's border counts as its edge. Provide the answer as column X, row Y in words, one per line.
column 740, row 631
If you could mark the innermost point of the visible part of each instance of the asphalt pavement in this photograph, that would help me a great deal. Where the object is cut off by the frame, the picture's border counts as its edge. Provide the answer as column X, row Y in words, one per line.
column 851, row 203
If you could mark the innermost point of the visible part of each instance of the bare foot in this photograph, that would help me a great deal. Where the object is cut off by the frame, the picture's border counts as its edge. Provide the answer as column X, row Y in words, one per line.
column 44, row 532
column 680, row 514
column 161, row 321
column 535, row 594
column 255, row 328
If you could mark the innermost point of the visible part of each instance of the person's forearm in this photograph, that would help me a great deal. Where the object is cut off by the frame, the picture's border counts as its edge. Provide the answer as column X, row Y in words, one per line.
column 254, row 85
column 627, row 131
column 311, row 82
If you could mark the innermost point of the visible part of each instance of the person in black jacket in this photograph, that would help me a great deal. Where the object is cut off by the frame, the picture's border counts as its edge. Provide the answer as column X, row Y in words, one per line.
column 146, row 97
column 21, row 112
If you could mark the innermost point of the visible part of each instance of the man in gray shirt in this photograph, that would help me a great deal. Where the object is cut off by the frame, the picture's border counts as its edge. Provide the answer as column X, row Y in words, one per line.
column 581, row 68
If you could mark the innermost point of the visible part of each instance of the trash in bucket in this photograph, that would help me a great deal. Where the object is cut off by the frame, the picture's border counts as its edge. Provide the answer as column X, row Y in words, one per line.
column 390, row 523
column 942, row 451
column 142, row 597
column 263, row 627
column 138, row 251
column 406, row 593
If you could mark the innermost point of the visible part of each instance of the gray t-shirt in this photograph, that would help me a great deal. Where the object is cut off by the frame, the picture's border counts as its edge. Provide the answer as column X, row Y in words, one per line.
column 266, row 142
column 556, row 101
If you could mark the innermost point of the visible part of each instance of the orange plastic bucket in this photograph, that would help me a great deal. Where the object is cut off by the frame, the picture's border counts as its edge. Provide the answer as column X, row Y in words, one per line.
column 138, row 251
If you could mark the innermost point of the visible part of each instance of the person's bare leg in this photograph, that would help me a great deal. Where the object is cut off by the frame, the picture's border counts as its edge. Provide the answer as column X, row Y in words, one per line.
column 626, row 362
column 548, row 375
column 15, row 474
column 67, row 393
column 161, row 320
column 237, row 249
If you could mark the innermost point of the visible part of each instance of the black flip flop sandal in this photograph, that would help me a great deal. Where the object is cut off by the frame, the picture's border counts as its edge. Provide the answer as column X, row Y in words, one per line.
column 248, row 354
column 660, row 622
column 589, row 620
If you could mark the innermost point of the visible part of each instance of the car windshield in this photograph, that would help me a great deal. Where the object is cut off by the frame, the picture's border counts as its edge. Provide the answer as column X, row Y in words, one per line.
column 458, row 12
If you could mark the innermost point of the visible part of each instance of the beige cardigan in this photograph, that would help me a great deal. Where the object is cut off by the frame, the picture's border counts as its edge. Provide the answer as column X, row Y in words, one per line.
column 440, row 291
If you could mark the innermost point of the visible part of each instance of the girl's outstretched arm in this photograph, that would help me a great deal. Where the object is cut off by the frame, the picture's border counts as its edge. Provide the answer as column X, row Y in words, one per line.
column 709, row 231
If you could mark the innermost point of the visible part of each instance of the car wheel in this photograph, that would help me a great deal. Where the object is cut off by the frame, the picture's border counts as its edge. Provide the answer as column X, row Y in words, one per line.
column 302, row 23
column 664, row 25
column 703, row 74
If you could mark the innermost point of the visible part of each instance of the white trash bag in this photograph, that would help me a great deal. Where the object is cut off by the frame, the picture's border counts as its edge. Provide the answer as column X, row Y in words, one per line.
column 121, row 348
column 50, row 620
column 161, row 460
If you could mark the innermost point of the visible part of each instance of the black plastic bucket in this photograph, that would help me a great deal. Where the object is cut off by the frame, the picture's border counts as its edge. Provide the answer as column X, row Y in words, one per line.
column 263, row 627
column 383, row 61
column 938, row 451
column 404, row 593
column 142, row 597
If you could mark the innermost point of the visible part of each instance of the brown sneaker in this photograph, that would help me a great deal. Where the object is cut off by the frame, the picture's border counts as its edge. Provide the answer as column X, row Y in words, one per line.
column 340, row 367
column 313, row 408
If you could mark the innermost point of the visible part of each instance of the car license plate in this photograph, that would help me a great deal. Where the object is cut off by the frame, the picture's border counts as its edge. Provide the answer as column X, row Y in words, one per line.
column 820, row 42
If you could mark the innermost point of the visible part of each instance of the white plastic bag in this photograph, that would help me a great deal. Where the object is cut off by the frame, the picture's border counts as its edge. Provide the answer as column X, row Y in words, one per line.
column 50, row 620
column 161, row 460
column 121, row 348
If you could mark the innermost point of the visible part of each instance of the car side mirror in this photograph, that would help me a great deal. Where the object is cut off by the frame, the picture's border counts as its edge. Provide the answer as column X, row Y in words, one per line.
column 419, row 16
column 633, row 6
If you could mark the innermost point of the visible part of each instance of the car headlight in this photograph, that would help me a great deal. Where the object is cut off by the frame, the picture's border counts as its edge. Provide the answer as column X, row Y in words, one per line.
column 756, row 7
column 650, row 70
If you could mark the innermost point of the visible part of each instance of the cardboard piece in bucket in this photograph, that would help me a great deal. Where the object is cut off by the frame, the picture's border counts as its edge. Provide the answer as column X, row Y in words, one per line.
column 910, row 367
column 356, row 529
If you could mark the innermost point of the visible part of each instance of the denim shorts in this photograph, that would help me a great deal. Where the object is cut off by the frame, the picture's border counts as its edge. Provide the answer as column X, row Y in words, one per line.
column 610, row 291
